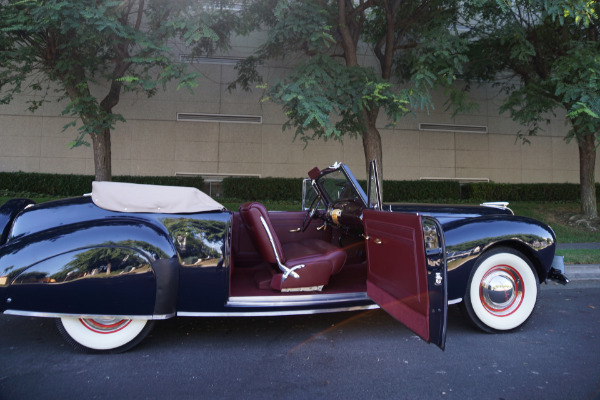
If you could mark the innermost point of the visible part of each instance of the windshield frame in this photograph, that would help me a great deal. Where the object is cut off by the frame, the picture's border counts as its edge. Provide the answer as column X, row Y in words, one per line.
column 343, row 168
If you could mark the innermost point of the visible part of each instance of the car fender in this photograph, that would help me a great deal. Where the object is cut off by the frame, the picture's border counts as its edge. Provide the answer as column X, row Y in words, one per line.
column 469, row 239
column 118, row 266
column 8, row 212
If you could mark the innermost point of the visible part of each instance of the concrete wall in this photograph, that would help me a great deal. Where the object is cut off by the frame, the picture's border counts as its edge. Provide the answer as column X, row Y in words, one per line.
column 153, row 142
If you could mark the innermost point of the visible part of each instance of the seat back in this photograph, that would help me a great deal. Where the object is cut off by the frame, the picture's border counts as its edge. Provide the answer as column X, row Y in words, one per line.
column 251, row 214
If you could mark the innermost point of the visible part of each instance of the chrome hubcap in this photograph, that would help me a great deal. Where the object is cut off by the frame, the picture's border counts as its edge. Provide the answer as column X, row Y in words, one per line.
column 105, row 325
column 501, row 290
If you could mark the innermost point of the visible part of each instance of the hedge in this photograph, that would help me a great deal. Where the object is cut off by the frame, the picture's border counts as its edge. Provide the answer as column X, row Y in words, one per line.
column 286, row 189
column 76, row 185
column 253, row 189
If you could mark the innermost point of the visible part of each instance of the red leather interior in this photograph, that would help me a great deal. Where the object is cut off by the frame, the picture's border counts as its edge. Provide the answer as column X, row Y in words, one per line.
column 321, row 259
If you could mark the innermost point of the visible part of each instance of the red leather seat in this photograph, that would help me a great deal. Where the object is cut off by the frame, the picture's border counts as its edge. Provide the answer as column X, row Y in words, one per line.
column 307, row 264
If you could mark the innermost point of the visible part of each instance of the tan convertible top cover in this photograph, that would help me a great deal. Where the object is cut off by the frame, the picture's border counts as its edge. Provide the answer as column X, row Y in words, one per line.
column 135, row 198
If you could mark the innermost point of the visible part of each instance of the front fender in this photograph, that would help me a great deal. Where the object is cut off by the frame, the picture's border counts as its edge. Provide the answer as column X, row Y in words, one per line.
column 469, row 239
column 121, row 266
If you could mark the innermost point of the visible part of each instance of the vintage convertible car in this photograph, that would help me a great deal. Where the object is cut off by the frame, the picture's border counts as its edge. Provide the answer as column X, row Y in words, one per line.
column 109, row 264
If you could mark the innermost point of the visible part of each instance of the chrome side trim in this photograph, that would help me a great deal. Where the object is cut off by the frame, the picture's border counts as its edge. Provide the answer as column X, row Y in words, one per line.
column 454, row 301
column 61, row 315
column 275, row 312
column 295, row 300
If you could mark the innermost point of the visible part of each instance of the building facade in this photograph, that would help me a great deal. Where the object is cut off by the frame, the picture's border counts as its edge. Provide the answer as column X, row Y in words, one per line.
column 214, row 132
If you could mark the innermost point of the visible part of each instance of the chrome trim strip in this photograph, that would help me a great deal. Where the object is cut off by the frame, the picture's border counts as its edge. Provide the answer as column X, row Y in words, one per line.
column 454, row 301
column 274, row 313
column 61, row 315
column 295, row 300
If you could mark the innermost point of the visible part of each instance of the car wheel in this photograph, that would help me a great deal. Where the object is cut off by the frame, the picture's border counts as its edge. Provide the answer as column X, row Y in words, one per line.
column 502, row 290
column 104, row 334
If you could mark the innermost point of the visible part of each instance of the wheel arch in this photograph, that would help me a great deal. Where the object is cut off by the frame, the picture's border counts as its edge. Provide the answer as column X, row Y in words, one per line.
column 36, row 282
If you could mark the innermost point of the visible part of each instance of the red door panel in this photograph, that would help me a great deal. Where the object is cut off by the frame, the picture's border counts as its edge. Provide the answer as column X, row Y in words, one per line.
column 397, row 276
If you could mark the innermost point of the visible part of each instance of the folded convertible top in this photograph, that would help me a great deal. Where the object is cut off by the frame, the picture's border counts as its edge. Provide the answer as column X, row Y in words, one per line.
column 135, row 198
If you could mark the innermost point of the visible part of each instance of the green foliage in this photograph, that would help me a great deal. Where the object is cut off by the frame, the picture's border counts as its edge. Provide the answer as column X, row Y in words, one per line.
column 32, row 184
column 124, row 46
column 255, row 189
column 330, row 93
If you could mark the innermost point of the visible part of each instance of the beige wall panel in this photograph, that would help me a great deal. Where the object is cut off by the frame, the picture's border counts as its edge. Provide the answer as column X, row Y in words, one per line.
column 203, row 152
column 430, row 118
column 203, row 106
column 60, row 148
column 151, row 141
column 472, row 159
column 504, row 125
column 537, row 155
column 15, row 164
column 187, row 131
column 505, row 175
column 473, row 173
column 121, row 167
column 273, row 114
column 566, row 176
column 19, row 146
column 501, row 160
column 435, row 172
column 436, row 140
column 437, row 159
column 471, row 141
column 536, row 175
column 240, row 133
column 403, row 173
column 58, row 165
column 16, row 125
column 235, row 168
column 152, row 167
column 504, row 143
column 198, row 166
column 471, row 119
column 240, row 153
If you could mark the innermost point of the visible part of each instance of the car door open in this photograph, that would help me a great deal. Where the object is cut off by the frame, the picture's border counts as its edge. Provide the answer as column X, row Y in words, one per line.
column 407, row 270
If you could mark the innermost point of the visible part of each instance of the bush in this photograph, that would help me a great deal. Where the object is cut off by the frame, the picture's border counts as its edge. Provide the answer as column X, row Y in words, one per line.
column 522, row 192
column 76, row 185
column 254, row 189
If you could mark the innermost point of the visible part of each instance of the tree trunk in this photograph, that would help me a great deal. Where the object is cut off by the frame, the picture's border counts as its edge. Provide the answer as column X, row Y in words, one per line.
column 102, row 155
column 587, row 180
column 372, row 144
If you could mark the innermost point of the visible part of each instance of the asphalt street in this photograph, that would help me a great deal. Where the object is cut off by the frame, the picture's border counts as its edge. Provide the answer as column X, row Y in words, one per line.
column 366, row 355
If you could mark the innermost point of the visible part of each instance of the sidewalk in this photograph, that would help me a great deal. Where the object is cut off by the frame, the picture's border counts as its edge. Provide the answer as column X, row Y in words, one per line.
column 577, row 272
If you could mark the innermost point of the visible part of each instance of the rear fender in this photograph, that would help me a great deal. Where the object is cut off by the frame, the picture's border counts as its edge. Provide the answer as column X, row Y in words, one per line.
column 123, row 266
column 8, row 212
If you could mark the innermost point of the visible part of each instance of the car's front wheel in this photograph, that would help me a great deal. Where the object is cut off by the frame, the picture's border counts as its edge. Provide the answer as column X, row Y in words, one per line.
column 103, row 334
column 502, row 290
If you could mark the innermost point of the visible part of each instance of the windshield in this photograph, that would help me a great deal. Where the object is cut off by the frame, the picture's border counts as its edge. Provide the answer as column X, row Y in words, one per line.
column 340, row 184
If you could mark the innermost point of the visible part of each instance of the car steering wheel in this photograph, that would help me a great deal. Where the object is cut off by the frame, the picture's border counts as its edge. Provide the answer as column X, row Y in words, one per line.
column 310, row 213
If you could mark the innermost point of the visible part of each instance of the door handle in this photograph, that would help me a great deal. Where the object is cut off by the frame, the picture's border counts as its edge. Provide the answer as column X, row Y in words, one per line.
column 378, row 241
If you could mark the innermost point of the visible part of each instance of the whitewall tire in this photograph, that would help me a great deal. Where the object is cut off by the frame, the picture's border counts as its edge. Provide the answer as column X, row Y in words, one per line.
column 103, row 334
column 502, row 290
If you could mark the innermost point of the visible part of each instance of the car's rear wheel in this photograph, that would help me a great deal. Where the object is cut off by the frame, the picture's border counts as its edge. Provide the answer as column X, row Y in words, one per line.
column 502, row 290
column 103, row 334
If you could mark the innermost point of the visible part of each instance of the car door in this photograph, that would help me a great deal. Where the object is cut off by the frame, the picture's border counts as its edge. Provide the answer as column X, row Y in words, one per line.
column 407, row 270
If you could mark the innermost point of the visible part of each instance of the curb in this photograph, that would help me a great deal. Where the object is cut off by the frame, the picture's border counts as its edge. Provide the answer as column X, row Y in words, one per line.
column 580, row 272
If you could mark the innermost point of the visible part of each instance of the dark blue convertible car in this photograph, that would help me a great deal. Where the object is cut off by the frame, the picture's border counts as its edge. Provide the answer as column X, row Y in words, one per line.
column 109, row 264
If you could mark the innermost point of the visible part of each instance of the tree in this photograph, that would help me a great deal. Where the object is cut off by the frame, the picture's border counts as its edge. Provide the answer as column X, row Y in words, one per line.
column 544, row 55
column 70, row 46
column 330, row 92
